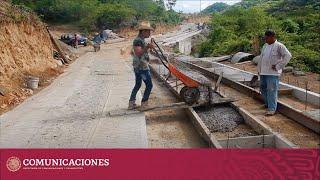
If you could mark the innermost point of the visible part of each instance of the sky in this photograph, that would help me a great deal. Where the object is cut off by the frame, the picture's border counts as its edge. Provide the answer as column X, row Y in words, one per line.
column 193, row 6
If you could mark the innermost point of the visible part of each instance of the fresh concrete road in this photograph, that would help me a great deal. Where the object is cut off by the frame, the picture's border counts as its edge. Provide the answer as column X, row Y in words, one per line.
column 71, row 112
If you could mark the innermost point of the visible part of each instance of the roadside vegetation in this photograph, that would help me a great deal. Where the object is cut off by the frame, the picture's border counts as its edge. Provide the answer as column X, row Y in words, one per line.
column 241, row 28
column 104, row 14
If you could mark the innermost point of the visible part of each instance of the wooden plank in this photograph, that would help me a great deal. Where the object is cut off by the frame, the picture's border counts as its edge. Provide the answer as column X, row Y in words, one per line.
column 123, row 112
column 286, row 91
column 57, row 46
column 218, row 82
column 254, row 122
column 179, row 105
column 282, row 142
column 261, row 141
column 245, row 62
column 202, row 129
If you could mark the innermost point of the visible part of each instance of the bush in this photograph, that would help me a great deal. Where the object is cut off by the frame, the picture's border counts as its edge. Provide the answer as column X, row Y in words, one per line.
column 297, row 25
column 290, row 26
column 101, row 14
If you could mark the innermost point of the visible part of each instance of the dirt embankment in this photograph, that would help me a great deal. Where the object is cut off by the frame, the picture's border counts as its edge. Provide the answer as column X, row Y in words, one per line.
column 25, row 49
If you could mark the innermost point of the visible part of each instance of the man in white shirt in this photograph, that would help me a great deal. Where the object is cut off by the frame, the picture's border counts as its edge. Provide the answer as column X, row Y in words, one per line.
column 274, row 57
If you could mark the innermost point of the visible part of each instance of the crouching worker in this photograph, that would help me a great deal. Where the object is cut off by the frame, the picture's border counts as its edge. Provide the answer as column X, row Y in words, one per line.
column 140, row 65
column 274, row 57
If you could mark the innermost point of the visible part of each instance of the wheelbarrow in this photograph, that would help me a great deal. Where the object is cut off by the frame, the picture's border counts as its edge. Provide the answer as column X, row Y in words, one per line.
column 190, row 93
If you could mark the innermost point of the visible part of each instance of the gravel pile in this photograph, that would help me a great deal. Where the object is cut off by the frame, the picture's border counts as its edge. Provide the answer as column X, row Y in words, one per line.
column 220, row 118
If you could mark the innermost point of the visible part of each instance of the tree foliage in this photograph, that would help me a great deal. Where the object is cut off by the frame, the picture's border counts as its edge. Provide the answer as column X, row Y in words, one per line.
column 97, row 14
column 216, row 7
column 296, row 22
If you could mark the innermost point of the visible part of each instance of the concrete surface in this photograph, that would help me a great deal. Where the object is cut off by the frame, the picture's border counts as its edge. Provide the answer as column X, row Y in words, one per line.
column 69, row 113
column 185, row 46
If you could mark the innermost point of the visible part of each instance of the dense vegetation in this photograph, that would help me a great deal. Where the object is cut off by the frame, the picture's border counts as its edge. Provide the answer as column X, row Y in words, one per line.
column 216, row 7
column 102, row 14
column 241, row 28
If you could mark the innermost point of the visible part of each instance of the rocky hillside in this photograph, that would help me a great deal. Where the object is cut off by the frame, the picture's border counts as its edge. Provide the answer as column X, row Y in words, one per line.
column 216, row 7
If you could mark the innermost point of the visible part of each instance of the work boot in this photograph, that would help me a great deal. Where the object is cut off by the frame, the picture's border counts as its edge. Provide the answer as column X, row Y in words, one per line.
column 132, row 105
column 144, row 104
column 270, row 113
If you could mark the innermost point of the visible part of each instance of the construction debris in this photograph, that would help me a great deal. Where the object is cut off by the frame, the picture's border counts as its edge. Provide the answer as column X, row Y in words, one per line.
column 298, row 73
column 110, row 34
column 241, row 57
column 216, row 59
column 313, row 113
column 256, row 59
column 288, row 69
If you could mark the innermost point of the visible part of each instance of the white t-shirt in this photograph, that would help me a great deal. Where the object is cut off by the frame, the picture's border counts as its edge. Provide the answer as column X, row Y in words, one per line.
column 266, row 60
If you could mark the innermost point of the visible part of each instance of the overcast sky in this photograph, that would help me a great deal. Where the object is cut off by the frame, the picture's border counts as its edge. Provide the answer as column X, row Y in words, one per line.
column 191, row 6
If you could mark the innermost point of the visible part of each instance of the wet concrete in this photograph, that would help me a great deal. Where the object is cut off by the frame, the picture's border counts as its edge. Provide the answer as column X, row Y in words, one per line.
column 220, row 118
column 192, row 74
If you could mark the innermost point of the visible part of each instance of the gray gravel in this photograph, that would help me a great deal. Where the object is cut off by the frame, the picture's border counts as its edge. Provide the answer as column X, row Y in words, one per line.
column 220, row 118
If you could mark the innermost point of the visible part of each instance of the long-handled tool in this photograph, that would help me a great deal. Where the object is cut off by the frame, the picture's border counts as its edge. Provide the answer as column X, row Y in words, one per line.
column 190, row 93
column 170, row 106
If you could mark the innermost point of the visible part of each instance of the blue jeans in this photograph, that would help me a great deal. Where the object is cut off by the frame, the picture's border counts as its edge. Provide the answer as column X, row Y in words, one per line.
column 269, row 89
column 145, row 76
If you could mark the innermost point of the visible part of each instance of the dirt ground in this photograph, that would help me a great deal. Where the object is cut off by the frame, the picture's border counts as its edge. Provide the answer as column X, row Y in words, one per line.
column 170, row 128
column 299, row 81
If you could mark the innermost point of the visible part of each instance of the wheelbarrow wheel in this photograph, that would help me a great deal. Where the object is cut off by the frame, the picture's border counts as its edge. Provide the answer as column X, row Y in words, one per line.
column 190, row 95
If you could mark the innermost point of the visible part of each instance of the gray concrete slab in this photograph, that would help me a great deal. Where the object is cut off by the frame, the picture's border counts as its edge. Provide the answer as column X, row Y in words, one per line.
column 71, row 112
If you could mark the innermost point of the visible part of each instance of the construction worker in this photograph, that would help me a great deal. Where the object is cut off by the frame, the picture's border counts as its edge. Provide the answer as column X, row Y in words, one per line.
column 274, row 57
column 96, row 42
column 75, row 41
column 140, row 65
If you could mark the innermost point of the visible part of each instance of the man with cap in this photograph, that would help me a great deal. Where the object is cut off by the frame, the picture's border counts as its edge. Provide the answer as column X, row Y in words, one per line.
column 140, row 65
column 274, row 57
